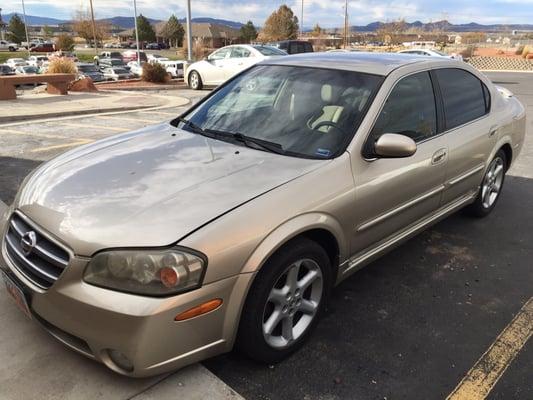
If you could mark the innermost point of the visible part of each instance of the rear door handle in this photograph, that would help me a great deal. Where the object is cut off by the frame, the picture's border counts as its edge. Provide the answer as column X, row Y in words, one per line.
column 439, row 156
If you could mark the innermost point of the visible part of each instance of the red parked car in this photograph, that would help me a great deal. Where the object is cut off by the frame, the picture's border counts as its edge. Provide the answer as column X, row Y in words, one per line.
column 43, row 48
column 131, row 55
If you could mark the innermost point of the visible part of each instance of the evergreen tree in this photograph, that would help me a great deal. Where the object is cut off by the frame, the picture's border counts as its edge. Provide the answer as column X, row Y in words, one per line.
column 16, row 30
column 248, row 32
column 173, row 31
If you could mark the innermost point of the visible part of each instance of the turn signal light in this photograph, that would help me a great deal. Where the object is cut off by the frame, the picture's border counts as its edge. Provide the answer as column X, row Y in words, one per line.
column 199, row 310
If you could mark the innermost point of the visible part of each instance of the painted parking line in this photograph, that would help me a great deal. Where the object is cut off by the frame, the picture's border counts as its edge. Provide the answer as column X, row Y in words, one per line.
column 160, row 112
column 111, row 128
column 36, row 134
column 481, row 379
column 132, row 119
column 61, row 146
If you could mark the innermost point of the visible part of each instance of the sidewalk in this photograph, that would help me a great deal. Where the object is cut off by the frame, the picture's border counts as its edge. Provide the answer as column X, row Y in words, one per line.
column 36, row 106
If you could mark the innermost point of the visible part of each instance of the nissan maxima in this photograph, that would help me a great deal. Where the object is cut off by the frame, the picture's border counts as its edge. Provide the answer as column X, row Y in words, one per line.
column 229, row 226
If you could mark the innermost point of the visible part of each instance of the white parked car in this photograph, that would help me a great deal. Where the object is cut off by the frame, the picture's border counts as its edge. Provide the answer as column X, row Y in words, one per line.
column 136, row 68
column 16, row 62
column 37, row 61
column 432, row 53
column 116, row 74
column 226, row 62
column 156, row 58
column 174, row 68
column 8, row 46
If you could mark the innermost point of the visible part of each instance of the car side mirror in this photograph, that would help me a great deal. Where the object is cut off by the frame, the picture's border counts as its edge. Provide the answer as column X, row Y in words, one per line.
column 394, row 145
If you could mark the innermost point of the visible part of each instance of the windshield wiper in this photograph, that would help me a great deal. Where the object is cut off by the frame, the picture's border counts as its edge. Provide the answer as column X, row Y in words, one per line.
column 248, row 141
column 195, row 128
column 258, row 143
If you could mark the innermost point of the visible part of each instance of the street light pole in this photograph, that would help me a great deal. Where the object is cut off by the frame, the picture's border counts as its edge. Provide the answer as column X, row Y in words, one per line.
column 345, row 23
column 94, row 29
column 302, row 21
column 26, row 28
column 136, row 32
column 189, row 32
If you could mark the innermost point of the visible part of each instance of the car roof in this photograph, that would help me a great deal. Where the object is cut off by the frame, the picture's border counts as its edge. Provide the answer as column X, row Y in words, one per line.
column 372, row 63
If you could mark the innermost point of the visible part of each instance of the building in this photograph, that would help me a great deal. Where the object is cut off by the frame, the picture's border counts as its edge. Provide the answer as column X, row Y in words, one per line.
column 211, row 35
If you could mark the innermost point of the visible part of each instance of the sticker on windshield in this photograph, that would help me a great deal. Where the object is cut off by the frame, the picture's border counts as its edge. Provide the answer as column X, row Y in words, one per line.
column 323, row 152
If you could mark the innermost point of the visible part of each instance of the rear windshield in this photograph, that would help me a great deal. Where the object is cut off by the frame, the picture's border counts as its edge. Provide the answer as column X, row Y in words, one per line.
column 270, row 51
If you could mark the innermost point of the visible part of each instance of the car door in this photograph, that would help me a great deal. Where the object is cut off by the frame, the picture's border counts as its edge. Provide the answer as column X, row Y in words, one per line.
column 240, row 59
column 215, row 67
column 472, row 133
column 393, row 194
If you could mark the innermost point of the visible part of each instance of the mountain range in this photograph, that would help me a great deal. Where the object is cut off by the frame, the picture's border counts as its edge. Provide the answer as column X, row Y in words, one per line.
column 123, row 22
column 446, row 26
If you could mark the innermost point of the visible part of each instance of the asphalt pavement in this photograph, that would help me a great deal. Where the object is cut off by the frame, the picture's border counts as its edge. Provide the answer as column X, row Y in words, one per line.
column 410, row 325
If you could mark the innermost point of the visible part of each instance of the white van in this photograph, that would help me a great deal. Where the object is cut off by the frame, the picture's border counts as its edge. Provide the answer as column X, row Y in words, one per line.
column 174, row 68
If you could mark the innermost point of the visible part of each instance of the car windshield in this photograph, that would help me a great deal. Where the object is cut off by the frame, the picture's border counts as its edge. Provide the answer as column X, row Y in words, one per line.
column 306, row 112
column 270, row 51
column 120, row 71
column 30, row 70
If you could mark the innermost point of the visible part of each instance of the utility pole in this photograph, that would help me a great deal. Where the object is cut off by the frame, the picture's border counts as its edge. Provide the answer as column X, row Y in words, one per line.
column 94, row 29
column 26, row 28
column 302, row 22
column 189, row 32
column 345, row 23
column 136, row 32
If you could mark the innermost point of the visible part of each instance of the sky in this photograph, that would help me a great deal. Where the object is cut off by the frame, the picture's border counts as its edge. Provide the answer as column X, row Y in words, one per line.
column 327, row 13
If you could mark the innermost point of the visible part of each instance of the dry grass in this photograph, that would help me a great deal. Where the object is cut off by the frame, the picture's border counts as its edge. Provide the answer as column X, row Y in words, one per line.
column 62, row 66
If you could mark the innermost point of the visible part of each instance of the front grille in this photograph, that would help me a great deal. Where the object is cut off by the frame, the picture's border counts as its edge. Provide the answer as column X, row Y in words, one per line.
column 44, row 261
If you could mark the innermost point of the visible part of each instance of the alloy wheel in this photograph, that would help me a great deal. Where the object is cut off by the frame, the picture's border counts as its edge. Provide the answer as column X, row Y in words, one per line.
column 492, row 183
column 292, row 303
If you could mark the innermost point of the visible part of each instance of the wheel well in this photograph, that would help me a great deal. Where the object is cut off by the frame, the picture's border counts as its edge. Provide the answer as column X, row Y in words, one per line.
column 328, row 242
column 508, row 154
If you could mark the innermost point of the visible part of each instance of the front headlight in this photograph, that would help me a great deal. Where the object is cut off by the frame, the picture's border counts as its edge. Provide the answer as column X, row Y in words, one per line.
column 147, row 272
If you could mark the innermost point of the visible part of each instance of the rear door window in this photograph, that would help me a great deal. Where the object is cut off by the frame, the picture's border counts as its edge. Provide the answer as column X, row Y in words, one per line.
column 464, row 96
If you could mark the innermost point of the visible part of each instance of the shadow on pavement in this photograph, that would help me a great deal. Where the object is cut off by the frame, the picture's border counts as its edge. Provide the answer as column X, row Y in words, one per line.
column 411, row 324
column 12, row 173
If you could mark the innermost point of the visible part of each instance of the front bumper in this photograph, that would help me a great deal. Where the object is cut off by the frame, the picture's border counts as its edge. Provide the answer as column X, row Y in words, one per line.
column 93, row 320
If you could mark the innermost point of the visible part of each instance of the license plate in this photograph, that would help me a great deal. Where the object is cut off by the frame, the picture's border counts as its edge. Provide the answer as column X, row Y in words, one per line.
column 16, row 293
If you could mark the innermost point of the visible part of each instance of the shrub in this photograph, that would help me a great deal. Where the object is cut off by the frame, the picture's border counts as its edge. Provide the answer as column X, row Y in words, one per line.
column 154, row 73
column 64, row 42
column 520, row 50
column 468, row 52
column 62, row 66
column 526, row 50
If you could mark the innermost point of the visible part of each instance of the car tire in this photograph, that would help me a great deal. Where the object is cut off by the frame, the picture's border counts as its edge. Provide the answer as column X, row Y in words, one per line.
column 195, row 81
column 12, row 49
column 490, row 188
column 280, row 310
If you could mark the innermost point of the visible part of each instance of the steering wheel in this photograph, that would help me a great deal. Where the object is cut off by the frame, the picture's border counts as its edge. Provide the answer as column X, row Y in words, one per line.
column 329, row 123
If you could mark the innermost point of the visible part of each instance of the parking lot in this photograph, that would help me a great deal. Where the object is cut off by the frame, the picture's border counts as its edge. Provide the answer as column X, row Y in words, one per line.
column 410, row 325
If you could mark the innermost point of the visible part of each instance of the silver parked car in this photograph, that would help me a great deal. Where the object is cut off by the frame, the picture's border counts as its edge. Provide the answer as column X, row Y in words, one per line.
column 116, row 73
column 228, row 226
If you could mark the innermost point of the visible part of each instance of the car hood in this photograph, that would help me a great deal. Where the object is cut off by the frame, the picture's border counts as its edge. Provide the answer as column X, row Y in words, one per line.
column 148, row 188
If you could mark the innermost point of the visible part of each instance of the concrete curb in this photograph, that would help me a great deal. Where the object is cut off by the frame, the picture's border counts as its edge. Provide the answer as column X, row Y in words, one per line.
column 16, row 118
column 192, row 383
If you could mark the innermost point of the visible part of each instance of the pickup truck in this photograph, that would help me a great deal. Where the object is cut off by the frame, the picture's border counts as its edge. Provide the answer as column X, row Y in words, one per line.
column 8, row 46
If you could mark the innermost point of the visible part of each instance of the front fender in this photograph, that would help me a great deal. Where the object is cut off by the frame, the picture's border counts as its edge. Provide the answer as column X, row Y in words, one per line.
column 290, row 229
